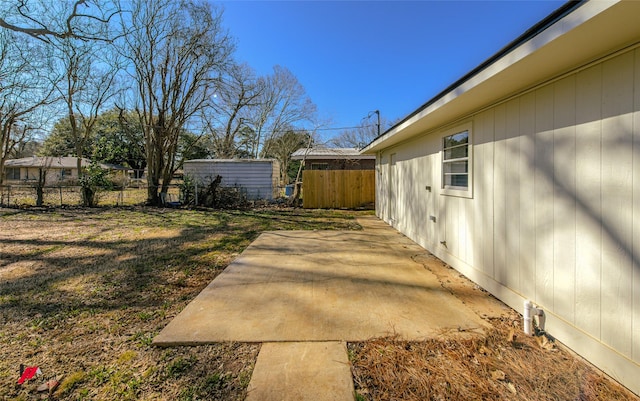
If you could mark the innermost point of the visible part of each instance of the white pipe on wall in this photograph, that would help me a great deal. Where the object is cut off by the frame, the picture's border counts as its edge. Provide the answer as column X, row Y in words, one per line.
column 529, row 312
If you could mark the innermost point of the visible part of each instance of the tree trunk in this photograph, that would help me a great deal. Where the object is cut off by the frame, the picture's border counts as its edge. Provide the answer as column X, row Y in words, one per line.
column 297, row 188
column 155, row 161
column 42, row 178
column 153, row 199
column 88, row 197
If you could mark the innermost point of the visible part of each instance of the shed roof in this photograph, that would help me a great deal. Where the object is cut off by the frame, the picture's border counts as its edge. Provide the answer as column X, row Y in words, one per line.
column 237, row 161
column 577, row 34
column 329, row 154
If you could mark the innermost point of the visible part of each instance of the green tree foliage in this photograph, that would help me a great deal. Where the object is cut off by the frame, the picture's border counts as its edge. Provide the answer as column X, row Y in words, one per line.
column 192, row 146
column 60, row 141
column 93, row 179
column 120, row 140
column 281, row 146
column 116, row 139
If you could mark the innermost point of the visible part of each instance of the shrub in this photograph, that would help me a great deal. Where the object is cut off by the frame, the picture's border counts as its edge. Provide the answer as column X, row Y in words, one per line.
column 93, row 179
column 187, row 190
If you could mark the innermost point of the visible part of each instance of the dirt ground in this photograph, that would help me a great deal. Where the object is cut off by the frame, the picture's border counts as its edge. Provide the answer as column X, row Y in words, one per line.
column 84, row 291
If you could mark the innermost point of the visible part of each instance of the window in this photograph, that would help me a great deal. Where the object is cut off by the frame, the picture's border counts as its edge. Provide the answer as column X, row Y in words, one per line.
column 456, row 162
column 319, row 166
column 65, row 173
column 13, row 173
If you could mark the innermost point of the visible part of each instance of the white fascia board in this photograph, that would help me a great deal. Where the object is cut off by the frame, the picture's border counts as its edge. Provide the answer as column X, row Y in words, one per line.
column 334, row 157
column 447, row 105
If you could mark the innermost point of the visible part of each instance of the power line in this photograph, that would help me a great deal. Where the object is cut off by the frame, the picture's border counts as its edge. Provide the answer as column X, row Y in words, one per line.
column 325, row 129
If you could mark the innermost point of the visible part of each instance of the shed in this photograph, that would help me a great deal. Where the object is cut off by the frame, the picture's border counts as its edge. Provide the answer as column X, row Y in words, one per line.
column 259, row 178
column 337, row 178
column 334, row 159
column 524, row 175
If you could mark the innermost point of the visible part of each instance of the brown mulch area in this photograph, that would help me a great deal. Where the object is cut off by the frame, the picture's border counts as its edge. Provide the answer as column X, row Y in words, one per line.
column 504, row 364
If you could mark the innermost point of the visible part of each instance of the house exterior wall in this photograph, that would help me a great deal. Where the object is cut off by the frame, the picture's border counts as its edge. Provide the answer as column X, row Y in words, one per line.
column 554, row 216
column 260, row 178
column 53, row 175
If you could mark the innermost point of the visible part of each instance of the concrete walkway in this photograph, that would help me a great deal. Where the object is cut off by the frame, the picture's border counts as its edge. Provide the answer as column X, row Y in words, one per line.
column 313, row 371
column 305, row 293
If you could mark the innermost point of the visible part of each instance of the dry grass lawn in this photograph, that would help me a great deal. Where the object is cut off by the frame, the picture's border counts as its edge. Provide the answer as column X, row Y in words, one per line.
column 83, row 293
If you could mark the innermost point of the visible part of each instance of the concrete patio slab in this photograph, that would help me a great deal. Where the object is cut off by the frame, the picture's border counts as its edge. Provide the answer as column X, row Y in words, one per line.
column 292, row 286
column 314, row 371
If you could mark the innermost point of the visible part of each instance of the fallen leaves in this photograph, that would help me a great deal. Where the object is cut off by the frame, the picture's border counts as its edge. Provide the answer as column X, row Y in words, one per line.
column 502, row 365
column 544, row 343
column 498, row 375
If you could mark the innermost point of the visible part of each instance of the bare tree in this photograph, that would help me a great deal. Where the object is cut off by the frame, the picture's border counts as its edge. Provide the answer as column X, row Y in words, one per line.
column 88, row 82
column 252, row 114
column 177, row 51
column 25, row 140
column 23, row 91
column 75, row 35
column 359, row 137
column 227, row 121
column 283, row 103
column 46, row 20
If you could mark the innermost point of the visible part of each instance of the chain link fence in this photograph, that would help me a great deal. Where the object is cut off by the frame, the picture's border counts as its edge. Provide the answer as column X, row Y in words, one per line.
column 26, row 195
column 71, row 195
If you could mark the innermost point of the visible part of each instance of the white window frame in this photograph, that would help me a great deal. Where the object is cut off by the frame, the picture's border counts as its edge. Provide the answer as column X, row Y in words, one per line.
column 465, row 192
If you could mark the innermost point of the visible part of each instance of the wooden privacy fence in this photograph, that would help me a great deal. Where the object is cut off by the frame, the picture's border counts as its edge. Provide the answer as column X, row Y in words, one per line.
column 322, row 189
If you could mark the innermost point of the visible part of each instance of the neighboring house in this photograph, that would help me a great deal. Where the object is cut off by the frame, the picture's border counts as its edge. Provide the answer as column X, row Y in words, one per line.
column 525, row 176
column 27, row 169
column 259, row 178
column 334, row 159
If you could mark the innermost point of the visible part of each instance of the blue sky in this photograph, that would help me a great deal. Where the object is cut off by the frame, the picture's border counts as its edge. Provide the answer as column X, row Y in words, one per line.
column 353, row 57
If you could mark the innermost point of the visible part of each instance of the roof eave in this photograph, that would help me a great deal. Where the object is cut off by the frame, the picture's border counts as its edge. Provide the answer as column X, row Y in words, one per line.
column 334, row 157
column 509, row 71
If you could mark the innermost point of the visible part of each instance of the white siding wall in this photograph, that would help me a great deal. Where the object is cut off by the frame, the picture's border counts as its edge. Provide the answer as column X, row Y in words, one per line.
column 54, row 175
column 258, row 177
column 555, row 212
